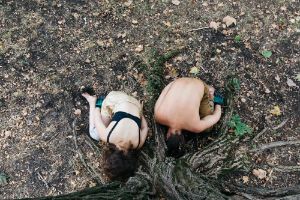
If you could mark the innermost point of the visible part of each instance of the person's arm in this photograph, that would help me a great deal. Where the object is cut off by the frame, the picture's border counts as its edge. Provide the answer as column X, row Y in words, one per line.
column 99, row 124
column 144, row 126
column 209, row 120
column 106, row 120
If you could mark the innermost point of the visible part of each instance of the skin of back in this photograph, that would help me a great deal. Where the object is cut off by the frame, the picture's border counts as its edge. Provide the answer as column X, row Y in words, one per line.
column 126, row 133
column 178, row 105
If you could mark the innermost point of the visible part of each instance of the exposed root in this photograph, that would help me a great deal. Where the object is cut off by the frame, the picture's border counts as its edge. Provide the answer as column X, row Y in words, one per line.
column 89, row 168
column 275, row 144
column 282, row 168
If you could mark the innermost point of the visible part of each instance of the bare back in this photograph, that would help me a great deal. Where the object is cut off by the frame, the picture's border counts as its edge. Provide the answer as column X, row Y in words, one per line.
column 126, row 133
column 178, row 105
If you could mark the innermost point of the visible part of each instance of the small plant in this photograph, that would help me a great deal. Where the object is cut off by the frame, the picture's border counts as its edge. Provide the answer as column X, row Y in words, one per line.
column 232, row 85
column 237, row 39
column 3, row 179
column 239, row 127
column 155, row 75
column 266, row 53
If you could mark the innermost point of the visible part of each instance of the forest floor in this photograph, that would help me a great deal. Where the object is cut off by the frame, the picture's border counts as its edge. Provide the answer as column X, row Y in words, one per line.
column 50, row 49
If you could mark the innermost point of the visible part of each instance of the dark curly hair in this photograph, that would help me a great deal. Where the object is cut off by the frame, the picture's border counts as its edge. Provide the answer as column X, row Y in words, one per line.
column 175, row 144
column 119, row 165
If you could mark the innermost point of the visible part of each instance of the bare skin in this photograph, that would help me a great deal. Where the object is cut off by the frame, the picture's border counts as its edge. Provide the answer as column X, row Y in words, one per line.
column 178, row 107
column 126, row 134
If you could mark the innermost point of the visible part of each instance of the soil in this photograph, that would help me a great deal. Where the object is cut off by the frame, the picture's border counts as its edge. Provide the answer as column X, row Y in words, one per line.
column 50, row 49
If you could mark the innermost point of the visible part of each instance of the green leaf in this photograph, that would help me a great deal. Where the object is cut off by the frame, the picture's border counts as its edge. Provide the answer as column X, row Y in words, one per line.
column 240, row 128
column 3, row 179
column 266, row 53
column 237, row 38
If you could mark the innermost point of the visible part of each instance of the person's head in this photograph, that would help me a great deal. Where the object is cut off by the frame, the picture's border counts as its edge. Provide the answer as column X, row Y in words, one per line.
column 175, row 143
column 118, row 164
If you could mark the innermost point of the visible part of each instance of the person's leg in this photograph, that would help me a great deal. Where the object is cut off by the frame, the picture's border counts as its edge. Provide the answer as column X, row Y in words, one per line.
column 92, row 109
column 207, row 105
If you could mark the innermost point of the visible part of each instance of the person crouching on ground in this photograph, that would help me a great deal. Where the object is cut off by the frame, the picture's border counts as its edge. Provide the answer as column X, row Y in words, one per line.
column 185, row 104
column 120, row 123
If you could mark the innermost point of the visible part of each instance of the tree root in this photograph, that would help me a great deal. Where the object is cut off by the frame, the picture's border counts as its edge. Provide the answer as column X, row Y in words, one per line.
column 263, row 192
column 282, row 168
column 275, row 144
column 89, row 168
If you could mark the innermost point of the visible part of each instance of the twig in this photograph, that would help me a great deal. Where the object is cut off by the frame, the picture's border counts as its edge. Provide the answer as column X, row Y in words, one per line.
column 197, row 29
column 260, row 134
column 90, row 169
column 42, row 179
column 281, row 124
column 275, row 144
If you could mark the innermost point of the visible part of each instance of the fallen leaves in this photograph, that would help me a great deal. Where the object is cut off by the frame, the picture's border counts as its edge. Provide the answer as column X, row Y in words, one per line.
column 214, row 25
column 229, row 21
column 77, row 112
column 176, row 2
column 259, row 173
column 128, row 3
column 291, row 83
column 139, row 48
column 245, row 179
column 276, row 111
column 297, row 77
column 134, row 21
column 194, row 70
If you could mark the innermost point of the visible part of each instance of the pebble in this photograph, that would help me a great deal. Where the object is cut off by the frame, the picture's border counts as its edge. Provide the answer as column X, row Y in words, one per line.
column 243, row 100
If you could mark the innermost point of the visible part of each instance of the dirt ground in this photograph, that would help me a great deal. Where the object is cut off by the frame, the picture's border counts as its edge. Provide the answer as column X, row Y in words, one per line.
column 50, row 49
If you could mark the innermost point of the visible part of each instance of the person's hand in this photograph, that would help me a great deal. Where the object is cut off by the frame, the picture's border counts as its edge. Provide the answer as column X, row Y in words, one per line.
column 218, row 100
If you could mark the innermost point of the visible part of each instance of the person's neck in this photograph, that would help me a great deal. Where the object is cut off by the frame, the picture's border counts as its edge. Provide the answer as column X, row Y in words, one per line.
column 173, row 131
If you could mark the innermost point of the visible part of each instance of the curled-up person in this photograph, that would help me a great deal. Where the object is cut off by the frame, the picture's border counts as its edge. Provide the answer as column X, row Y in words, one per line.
column 186, row 104
column 117, row 120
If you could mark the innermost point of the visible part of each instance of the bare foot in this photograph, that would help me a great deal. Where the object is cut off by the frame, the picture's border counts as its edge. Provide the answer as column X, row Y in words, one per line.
column 89, row 98
column 211, row 91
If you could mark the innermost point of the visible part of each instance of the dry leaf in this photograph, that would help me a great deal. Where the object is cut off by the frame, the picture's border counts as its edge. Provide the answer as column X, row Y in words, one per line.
column 229, row 21
column 291, row 83
column 297, row 77
column 214, row 25
column 139, row 48
column 194, row 70
column 128, row 3
column 245, row 179
column 168, row 24
column 260, row 173
column 77, row 112
column 176, row 2
column 267, row 91
column 277, row 78
column 276, row 111
column 134, row 21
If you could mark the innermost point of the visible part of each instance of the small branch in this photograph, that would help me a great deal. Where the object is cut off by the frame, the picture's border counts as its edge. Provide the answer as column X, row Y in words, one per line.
column 42, row 179
column 275, row 144
column 198, row 29
column 281, row 124
column 260, row 134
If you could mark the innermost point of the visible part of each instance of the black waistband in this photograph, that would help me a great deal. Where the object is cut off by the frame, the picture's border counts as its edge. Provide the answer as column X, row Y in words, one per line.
column 118, row 116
